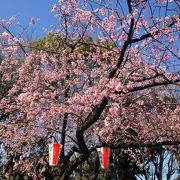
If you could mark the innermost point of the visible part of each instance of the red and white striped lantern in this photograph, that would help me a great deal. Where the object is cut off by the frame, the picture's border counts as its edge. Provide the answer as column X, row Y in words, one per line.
column 54, row 151
column 103, row 154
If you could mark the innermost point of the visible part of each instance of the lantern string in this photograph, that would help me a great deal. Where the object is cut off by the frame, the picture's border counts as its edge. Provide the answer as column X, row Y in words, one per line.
column 105, row 170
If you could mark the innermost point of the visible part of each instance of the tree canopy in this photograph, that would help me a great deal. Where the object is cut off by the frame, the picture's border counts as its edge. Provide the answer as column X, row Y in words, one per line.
column 105, row 78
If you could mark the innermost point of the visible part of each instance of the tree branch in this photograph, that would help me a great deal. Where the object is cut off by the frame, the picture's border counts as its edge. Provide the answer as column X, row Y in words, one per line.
column 148, row 35
column 152, row 84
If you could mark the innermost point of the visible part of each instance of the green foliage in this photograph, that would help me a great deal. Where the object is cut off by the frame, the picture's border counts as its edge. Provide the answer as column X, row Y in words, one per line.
column 92, row 170
column 86, row 48
column 52, row 42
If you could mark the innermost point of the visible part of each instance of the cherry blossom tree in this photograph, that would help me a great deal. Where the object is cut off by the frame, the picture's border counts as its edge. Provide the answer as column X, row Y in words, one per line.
column 108, row 90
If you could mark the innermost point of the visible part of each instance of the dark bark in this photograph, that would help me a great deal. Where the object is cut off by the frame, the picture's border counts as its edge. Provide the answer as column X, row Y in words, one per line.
column 97, row 111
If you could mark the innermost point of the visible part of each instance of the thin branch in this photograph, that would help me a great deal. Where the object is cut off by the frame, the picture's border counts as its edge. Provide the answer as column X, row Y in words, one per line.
column 20, row 45
column 148, row 35
column 152, row 84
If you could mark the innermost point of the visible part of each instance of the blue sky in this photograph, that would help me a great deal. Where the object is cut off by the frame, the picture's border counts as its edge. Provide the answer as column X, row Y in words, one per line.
column 25, row 9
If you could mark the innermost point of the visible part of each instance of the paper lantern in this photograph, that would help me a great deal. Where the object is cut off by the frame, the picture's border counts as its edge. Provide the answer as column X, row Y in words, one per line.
column 103, row 154
column 54, row 151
